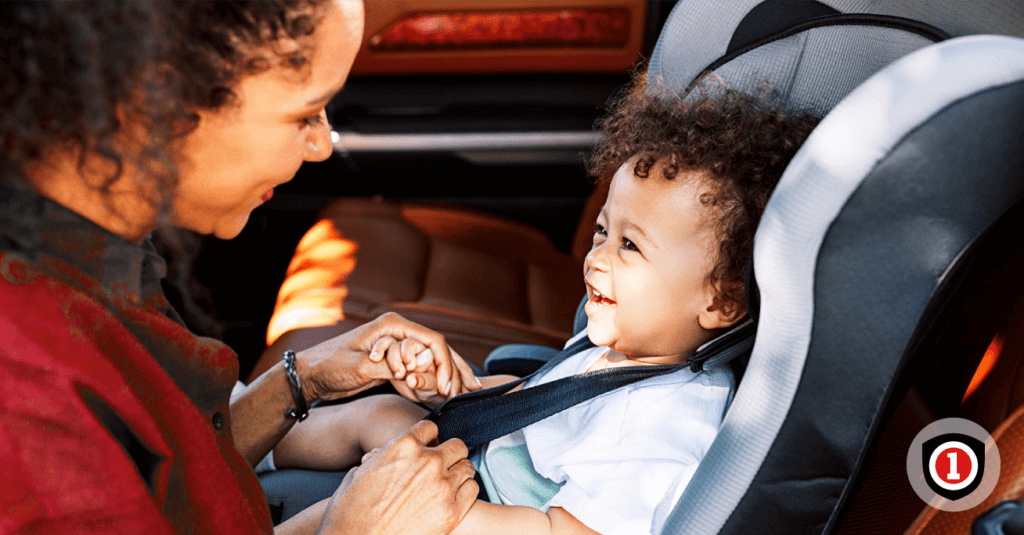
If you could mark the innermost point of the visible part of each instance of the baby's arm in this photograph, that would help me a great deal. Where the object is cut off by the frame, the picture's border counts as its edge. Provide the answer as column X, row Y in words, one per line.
column 491, row 381
column 496, row 519
column 337, row 436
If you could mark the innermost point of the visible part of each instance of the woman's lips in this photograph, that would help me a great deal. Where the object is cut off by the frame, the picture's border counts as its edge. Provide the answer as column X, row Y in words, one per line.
column 266, row 196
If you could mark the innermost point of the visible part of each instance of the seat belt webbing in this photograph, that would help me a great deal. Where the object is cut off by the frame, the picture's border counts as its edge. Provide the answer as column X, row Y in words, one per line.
column 482, row 416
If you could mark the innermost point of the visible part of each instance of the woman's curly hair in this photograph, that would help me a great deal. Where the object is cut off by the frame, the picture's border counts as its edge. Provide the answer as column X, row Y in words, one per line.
column 742, row 142
column 72, row 71
column 216, row 43
column 75, row 69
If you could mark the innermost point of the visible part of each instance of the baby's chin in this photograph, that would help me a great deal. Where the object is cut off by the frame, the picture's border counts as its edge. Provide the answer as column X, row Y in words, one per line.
column 599, row 336
column 638, row 349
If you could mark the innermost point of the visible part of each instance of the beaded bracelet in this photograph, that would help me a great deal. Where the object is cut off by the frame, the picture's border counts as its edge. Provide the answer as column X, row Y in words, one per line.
column 301, row 411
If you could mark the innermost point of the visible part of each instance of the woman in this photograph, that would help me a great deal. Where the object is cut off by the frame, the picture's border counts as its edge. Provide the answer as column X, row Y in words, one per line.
column 119, row 118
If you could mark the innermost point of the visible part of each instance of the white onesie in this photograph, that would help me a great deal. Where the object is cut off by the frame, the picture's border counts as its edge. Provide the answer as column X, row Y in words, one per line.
column 618, row 462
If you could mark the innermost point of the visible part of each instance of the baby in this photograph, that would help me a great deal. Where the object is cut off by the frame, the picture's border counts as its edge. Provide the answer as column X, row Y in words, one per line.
column 689, row 180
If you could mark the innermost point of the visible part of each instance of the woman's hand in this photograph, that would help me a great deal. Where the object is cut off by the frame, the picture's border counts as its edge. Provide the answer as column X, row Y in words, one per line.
column 415, row 375
column 336, row 368
column 340, row 366
column 406, row 488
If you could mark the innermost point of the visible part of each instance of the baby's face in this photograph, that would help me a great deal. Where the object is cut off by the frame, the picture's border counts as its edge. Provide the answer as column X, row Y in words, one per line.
column 653, row 247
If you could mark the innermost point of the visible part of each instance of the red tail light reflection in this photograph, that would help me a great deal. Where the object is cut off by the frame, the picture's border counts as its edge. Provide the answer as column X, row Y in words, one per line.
column 587, row 28
column 986, row 364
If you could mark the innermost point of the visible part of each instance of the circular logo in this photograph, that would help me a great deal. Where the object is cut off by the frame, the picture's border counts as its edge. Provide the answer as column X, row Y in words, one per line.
column 953, row 464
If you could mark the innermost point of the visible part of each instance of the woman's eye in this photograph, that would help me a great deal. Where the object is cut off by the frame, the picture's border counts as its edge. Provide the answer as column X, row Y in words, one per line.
column 313, row 120
column 628, row 245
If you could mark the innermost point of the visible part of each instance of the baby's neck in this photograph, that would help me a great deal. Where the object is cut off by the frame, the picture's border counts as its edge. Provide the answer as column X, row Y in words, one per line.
column 614, row 359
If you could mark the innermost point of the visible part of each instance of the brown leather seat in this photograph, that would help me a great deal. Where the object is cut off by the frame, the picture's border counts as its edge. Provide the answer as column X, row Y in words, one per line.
column 479, row 279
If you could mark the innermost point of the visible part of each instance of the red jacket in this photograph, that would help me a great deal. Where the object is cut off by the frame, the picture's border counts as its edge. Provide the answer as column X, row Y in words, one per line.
column 95, row 435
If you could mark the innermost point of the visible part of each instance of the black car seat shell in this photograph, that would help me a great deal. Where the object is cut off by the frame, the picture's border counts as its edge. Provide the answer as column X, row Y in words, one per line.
column 863, row 257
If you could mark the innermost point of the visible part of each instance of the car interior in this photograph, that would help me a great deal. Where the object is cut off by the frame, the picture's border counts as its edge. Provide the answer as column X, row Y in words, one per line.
column 886, row 263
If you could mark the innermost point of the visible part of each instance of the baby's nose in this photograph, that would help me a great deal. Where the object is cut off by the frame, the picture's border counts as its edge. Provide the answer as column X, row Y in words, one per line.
column 595, row 260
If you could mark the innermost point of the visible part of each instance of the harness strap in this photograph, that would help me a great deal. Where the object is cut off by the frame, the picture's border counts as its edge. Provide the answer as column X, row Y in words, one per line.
column 480, row 417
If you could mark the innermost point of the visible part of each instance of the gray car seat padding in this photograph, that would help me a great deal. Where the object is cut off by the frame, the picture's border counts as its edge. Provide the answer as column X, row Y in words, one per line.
column 813, row 70
column 837, row 171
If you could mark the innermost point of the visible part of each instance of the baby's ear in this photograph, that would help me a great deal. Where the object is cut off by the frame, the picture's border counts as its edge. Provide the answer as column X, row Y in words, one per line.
column 720, row 314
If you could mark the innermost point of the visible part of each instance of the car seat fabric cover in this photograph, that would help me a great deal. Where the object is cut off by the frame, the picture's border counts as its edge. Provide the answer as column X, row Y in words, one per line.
column 814, row 69
column 886, row 193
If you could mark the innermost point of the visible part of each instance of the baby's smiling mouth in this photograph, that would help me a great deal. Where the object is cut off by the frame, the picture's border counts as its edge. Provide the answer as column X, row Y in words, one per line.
column 597, row 298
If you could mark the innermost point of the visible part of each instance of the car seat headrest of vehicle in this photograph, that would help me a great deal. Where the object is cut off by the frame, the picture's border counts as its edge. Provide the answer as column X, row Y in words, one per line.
column 774, row 20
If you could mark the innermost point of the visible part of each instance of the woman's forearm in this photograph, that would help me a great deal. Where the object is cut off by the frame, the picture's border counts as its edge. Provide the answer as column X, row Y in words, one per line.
column 258, row 419
column 332, row 369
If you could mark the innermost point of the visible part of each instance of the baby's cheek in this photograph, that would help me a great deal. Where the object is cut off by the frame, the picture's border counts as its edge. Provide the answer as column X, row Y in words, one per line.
column 643, row 324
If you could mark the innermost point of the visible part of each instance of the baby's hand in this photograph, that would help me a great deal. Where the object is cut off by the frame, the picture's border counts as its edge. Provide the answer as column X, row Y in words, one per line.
column 412, row 364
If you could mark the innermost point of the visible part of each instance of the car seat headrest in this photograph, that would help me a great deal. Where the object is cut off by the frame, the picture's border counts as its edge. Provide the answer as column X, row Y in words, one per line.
column 812, row 53
column 896, row 206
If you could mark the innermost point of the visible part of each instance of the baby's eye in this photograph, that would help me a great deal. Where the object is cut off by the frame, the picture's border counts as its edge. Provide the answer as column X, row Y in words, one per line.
column 629, row 246
column 599, row 230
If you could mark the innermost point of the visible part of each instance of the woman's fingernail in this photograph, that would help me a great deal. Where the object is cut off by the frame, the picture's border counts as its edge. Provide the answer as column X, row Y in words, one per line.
column 478, row 383
column 411, row 365
column 424, row 357
column 447, row 387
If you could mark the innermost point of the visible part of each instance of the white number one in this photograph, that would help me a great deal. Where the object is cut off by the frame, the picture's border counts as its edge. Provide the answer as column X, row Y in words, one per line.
column 952, row 466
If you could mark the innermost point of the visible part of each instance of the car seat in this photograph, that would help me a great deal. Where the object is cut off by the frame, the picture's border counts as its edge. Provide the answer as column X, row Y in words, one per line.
column 884, row 257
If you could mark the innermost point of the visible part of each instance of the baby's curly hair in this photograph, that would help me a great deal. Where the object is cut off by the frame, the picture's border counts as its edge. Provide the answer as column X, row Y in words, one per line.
column 741, row 141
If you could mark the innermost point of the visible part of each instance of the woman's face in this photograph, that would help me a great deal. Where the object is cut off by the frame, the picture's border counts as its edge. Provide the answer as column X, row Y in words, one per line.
column 239, row 153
